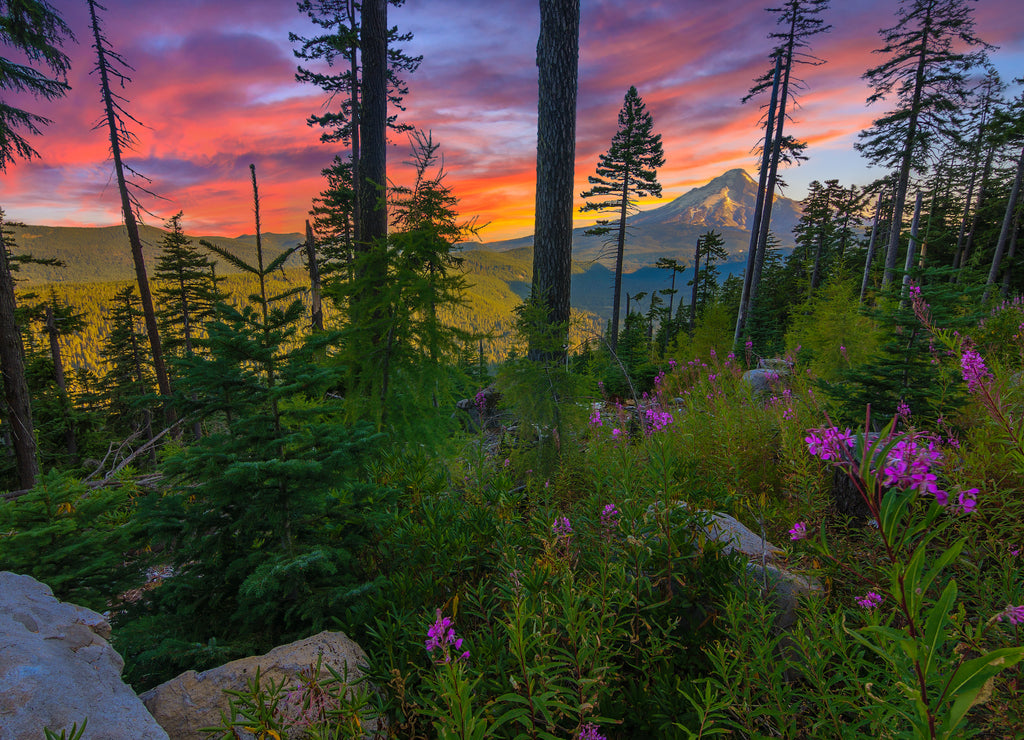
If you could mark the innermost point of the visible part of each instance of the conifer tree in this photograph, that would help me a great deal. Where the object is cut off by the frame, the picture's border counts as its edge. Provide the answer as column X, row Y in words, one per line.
column 710, row 252
column 340, row 44
column 625, row 173
column 35, row 31
column 128, row 382
column 186, row 294
column 111, row 67
column 557, row 71
column 801, row 20
column 929, row 52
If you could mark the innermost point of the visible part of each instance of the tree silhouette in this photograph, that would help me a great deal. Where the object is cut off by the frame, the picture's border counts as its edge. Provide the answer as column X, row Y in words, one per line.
column 928, row 57
column 626, row 172
column 557, row 67
column 35, row 31
column 112, row 67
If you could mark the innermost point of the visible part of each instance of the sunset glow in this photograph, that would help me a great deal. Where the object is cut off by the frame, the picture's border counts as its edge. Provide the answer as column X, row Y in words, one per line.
column 214, row 85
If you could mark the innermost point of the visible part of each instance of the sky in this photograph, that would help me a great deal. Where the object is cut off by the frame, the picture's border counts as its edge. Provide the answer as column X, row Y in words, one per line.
column 214, row 85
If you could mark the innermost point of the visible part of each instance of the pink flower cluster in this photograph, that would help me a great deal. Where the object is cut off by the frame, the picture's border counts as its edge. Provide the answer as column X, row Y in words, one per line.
column 561, row 527
column 908, row 464
column 972, row 367
column 589, row 731
column 798, row 532
column 870, row 600
column 657, row 420
column 441, row 636
column 595, row 417
column 609, row 517
column 1012, row 614
column 830, row 444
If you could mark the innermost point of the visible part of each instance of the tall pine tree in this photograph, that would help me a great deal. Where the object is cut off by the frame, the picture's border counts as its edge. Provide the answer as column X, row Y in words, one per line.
column 928, row 54
column 625, row 173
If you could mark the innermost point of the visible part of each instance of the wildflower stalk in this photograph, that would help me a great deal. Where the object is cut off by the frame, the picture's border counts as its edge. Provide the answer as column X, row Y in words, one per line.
column 891, row 473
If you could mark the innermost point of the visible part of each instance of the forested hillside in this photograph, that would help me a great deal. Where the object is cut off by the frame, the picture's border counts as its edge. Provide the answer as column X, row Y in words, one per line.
column 732, row 466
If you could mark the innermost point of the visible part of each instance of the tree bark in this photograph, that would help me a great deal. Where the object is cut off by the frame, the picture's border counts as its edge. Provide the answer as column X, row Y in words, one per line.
column 1004, row 231
column 871, row 247
column 373, row 218
column 755, row 224
column 12, row 366
column 696, row 282
column 620, row 248
column 316, row 306
column 70, row 441
column 558, row 64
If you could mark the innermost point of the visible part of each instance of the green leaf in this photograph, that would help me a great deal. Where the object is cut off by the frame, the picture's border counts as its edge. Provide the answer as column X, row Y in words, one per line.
column 969, row 680
column 935, row 628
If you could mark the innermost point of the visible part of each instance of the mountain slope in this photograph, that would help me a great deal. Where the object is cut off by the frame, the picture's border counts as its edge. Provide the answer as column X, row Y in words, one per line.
column 103, row 254
column 726, row 204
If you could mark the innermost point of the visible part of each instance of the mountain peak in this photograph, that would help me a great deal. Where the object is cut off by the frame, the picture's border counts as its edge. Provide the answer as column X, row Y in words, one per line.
column 727, row 201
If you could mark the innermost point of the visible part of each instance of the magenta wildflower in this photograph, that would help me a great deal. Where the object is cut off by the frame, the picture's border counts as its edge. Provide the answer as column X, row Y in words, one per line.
column 972, row 366
column 829, row 443
column 968, row 500
column 561, row 527
column 788, row 414
column 1012, row 614
column 589, row 731
column 609, row 518
column 441, row 636
column 657, row 420
column 903, row 410
column 1015, row 552
column 672, row 364
column 870, row 600
column 616, row 433
column 595, row 416
column 798, row 532
column 481, row 403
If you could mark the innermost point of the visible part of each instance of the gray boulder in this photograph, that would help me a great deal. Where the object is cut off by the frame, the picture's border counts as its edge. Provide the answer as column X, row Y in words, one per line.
column 194, row 700
column 57, row 669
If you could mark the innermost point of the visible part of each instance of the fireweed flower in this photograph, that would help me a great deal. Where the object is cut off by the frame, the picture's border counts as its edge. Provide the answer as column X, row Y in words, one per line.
column 968, row 500
column 657, row 420
column 561, row 527
column 481, row 403
column 616, row 433
column 595, row 417
column 441, row 636
column 870, row 600
column 589, row 731
column 609, row 518
column 829, row 443
column 1012, row 614
column 798, row 532
column 972, row 367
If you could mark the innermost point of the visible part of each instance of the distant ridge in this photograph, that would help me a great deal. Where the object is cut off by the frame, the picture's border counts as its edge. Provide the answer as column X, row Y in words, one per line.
column 102, row 254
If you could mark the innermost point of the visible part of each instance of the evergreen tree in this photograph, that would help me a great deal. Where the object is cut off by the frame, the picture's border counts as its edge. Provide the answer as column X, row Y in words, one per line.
column 825, row 230
column 112, row 67
column 625, row 173
column 801, row 20
column 929, row 53
column 557, row 72
column 185, row 290
column 127, row 385
column 35, row 31
column 340, row 44
column 422, row 283
column 710, row 252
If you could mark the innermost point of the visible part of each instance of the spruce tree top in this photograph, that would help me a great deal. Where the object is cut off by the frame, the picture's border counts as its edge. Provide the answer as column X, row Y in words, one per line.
column 631, row 160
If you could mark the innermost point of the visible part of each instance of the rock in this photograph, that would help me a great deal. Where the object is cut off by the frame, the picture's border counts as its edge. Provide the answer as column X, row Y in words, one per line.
column 762, row 381
column 737, row 538
column 781, row 586
column 194, row 700
column 57, row 669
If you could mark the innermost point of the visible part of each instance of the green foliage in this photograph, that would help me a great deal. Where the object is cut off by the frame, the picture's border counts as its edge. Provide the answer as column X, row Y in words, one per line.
column 907, row 366
column 73, row 538
column 831, row 332
column 705, row 285
column 36, row 32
